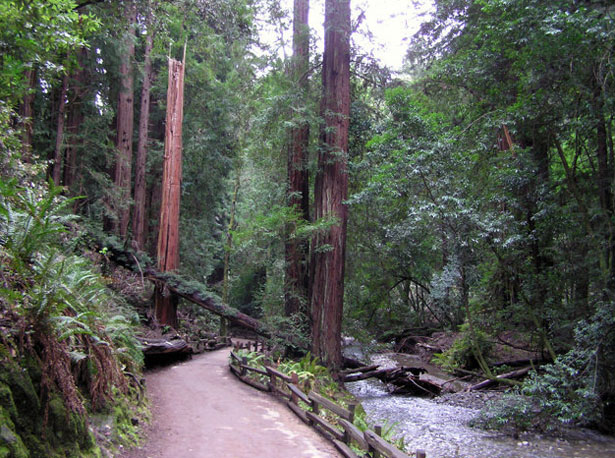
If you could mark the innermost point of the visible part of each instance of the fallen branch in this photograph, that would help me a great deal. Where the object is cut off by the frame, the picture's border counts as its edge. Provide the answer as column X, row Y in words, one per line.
column 503, row 378
column 359, row 369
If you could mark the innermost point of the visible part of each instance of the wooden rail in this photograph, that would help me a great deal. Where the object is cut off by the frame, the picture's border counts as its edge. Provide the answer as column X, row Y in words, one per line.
column 341, row 431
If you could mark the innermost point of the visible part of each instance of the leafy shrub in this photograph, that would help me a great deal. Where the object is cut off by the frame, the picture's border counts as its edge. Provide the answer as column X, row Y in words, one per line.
column 308, row 370
column 65, row 316
column 462, row 353
column 513, row 412
column 570, row 391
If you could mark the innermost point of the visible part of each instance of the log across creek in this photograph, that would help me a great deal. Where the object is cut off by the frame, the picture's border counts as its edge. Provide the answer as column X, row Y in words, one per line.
column 400, row 380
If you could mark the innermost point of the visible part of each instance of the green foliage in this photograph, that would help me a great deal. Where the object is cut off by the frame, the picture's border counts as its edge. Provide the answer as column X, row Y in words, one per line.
column 513, row 412
column 29, row 220
column 38, row 34
column 309, row 372
column 574, row 390
column 62, row 315
column 462, row 353
column 288, row 334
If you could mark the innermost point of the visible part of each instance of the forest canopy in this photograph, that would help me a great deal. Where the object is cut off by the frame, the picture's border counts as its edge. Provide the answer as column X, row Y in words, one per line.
column 474, row 191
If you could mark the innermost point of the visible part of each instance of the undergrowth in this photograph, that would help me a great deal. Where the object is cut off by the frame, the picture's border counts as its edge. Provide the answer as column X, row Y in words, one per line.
column 56, row 315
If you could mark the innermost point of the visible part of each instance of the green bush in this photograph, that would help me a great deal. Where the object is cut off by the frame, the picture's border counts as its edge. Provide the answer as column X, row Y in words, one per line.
column 574, row 390
column 463, row 353
column 62, row 317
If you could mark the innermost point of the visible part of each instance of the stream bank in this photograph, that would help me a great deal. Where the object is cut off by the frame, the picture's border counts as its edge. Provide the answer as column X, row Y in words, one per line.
column 440, row 425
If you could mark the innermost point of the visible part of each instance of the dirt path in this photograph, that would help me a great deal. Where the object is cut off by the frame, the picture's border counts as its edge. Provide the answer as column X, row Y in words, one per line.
column 201, row 410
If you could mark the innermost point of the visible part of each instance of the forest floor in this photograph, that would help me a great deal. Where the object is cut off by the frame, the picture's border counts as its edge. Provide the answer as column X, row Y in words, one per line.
column 200, row 409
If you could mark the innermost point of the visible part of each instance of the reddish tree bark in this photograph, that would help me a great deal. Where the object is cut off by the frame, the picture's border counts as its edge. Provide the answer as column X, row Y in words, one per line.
column 168, row 234
column 56, row 173
column 125, row 126
column 75, row 120
column 138, row 220
column 296, row 285
column 331, row 187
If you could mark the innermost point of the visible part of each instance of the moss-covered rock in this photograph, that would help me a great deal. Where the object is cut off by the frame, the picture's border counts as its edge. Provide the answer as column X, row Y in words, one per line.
column 22, row 433
column 25, row 407
column 11, row 444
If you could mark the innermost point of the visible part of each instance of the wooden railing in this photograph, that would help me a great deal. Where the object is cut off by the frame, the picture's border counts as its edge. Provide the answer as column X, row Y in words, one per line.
column 308, row 407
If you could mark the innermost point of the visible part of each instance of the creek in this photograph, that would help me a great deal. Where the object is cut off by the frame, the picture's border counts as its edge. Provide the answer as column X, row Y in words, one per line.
column 440, row 428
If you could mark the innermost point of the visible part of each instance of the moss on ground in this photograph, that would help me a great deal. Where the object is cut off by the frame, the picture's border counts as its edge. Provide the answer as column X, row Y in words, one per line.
column 22, row 431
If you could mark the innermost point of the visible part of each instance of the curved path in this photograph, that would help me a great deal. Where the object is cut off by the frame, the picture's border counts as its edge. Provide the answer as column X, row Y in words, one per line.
column 201, row 410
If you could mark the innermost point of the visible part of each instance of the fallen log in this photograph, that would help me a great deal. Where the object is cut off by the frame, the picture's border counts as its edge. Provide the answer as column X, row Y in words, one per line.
column 351, row 362
column 386, row 375
column 523, row 362
column 164, row 346
column 415, row 386
column 505, row 378
column 359, row 369
column 402, row 380
column 379, row 373
column 432, row 348
column 189, row 290
column 193, row 293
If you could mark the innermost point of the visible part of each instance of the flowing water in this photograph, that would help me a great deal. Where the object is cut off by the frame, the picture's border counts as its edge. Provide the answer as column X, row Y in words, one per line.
column 441, row 429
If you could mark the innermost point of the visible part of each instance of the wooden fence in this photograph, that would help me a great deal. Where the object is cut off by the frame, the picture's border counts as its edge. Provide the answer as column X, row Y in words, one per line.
column 309, row 407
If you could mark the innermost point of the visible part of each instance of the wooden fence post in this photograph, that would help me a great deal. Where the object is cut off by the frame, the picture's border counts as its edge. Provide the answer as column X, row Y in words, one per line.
column 244, row 363
column 294, row 379
column 352, row 408
column 377, row 430
column 314, row 405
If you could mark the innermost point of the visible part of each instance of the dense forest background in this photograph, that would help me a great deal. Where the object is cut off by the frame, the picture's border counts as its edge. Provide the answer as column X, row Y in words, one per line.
column 481, row 180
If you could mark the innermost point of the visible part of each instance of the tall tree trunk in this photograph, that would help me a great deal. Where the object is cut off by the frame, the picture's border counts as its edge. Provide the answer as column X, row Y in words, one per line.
column 138, row 219
column 296, row 281
column 227, row 252
column 125, row 125
column 74, row 121
column 56, row 174
column 168, row 235
column 331, row 187
column 26, row 112
column 606, row 195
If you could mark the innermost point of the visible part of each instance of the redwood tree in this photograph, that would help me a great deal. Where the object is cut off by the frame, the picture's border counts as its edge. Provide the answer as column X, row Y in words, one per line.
column 58, row 151
column 125, row 125
column 296, row 285
column 168, row 234
column 138, row 219
column 331, row 187
column 78, row 89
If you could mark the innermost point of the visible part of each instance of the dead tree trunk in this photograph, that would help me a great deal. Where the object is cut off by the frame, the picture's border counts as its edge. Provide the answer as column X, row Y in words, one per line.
column 168, row 234
column 331, row 187
column 125, row 126
column 138, row 219
column 296, row 281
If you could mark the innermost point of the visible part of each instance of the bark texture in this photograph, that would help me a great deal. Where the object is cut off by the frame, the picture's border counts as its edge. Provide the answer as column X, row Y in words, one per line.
column 125, row 126
column 56, row 174
column 331, row 187
column 296, row 287
column 138, row 219
column 75, row 120
column 168, row 234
